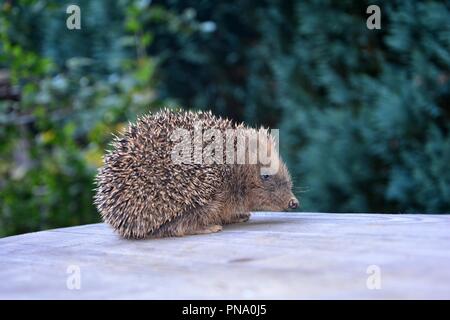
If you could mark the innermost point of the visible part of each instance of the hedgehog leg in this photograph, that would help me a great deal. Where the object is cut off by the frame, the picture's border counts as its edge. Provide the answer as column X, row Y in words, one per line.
column 242, row 218
column 179, row 231
column 208, row 229
column 188, row 224
column 239, row 218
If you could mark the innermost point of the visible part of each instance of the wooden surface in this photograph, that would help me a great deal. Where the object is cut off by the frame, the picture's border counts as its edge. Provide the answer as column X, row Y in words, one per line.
column 273, row 256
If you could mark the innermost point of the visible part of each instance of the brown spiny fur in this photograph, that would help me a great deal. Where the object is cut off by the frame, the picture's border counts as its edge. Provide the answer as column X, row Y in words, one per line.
column 142, row 193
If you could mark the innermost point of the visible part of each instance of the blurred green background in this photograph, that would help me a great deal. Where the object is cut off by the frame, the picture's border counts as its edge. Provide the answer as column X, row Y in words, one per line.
column 364, row 114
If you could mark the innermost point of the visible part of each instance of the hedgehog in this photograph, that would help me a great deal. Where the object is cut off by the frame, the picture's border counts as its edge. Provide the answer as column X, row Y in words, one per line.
column 147, row 188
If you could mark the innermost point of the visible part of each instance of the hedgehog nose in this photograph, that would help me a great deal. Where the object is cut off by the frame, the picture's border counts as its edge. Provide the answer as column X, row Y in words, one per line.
column 293, row 203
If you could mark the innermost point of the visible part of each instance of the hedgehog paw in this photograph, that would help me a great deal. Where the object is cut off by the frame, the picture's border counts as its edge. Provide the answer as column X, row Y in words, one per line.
column 243, row 218
column 209, row 229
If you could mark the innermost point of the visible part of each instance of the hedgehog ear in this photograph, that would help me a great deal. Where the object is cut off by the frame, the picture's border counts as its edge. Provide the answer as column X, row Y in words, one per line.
column 265, row 141
column 270, row 146
column 269, row 161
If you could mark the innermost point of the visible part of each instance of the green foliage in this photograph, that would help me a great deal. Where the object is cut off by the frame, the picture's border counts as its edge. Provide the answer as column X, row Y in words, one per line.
column 375, row 120
column 364, row 114
column 73, row 98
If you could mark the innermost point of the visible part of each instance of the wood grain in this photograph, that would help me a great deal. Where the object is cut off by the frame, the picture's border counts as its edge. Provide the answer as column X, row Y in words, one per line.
column 273, row 256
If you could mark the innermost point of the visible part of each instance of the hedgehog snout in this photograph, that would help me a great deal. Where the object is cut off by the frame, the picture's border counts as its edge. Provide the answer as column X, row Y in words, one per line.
column 293, row 203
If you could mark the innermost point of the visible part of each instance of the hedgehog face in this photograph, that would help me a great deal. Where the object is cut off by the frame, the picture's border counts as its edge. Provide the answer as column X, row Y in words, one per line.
column 273, row 192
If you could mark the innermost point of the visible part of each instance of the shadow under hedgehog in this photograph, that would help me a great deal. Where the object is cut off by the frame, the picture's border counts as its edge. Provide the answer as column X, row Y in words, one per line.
column 144, row 190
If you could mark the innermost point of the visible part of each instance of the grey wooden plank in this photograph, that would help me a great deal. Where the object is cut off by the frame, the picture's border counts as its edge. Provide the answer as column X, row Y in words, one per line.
column 273, row 256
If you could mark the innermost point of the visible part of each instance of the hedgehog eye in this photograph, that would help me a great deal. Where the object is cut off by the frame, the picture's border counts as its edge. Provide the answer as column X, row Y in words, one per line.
column 265, row 177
